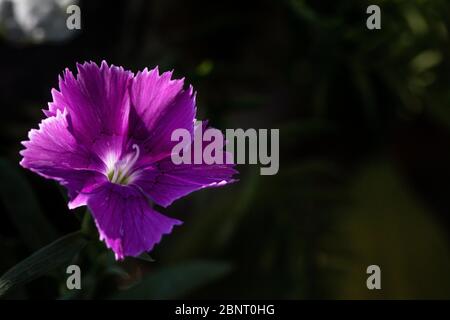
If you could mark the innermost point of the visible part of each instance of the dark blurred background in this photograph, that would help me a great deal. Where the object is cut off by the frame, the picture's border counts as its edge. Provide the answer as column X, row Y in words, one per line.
column 364, row 119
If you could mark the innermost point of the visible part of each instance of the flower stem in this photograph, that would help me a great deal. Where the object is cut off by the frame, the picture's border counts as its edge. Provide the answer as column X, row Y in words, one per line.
column 87, row 225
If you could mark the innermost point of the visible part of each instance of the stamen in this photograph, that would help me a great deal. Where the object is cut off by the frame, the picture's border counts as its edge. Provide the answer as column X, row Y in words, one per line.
column 136, row 155
column 129, row 164
column 122, row 168
column 116, row 172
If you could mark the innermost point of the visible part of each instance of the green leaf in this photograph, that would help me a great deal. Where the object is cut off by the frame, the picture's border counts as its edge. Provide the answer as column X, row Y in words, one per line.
column 41, row 262
column 23, row 208
column 176, row 281
column 145, row 257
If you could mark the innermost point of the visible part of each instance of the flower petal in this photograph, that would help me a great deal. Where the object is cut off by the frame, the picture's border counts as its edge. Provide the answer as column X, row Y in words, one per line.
column 165, row 182
column 54, row 153
column 126, row 221
column 168, row 182
column 58, row 103
column 159, row 105
column 97, row 100
column 52, row 150
column 80, row 184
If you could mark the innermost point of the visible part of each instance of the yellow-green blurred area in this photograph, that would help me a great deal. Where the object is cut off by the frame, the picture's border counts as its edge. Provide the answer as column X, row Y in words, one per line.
column 364, row 179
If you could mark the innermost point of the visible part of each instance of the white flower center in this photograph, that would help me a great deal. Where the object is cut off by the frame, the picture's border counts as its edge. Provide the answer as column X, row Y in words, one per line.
column 122, row 171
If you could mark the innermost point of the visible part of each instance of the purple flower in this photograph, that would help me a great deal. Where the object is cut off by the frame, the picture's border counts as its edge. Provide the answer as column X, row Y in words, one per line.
column 107, row 139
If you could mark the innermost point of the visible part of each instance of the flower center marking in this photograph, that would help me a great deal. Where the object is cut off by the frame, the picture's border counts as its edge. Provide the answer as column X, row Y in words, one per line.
column 122, row 172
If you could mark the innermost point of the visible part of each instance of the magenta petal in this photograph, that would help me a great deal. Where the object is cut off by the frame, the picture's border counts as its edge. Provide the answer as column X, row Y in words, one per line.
column 59, row 103
column 159, row 105
column 80, row 185
column 165, row 182
column 52, row 150
column 168, row 182
column 126, row 221
column 97, row 100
